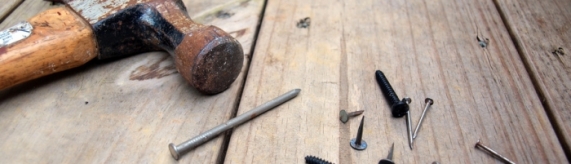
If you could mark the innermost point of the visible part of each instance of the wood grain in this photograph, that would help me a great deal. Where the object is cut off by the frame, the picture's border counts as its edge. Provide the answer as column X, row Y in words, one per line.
column 7, row 7
column 542, row 32
column 121, row 111
column 426, row 49
column 25, row 11
column 60, row 40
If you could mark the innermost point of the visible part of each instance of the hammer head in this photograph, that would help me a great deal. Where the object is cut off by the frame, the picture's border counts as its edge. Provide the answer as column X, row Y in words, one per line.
column 206, row 56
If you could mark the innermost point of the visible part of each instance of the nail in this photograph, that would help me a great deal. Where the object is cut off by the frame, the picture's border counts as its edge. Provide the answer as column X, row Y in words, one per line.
column 344, row 116
column 177, row 151
column 494, row 153
column 358, row 143
column 428, row 102
column 407, row 100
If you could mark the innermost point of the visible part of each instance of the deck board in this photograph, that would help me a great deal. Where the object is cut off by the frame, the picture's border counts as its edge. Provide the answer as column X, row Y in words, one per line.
column 540, row 28
column 97, row 113
column 426, row 49
column 7, row 7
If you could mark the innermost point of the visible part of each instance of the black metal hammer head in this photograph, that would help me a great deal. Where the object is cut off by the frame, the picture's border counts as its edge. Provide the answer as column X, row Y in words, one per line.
column 206, row 56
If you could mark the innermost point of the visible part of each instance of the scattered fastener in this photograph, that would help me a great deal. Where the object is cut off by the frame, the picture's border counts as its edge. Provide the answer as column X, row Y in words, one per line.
column 398, row 108
column 314, row 160
column 494, row 153
column 483, row 42
column 344, row 116
column 389, row 159
column 177, row 151
column 558, row 51
column 428, row 102
column 407, row 100
column 304, row 23
column 358, row 143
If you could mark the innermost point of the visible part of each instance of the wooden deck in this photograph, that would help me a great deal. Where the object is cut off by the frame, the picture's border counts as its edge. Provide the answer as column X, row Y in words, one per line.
column 499, row 71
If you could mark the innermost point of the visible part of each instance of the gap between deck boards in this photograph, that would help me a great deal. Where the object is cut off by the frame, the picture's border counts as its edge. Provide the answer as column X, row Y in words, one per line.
column 540, row 93
column 228, row 134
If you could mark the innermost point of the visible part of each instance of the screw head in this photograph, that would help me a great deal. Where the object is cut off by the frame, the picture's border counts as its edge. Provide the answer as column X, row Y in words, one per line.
column 343, row 116
column 399, row 109
column 386, row 161
column 356, row 146
column 429, row 101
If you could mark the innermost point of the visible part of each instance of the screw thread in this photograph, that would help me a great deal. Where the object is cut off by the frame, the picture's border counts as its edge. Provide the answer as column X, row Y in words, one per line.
column 315, row 160
column 386, row 87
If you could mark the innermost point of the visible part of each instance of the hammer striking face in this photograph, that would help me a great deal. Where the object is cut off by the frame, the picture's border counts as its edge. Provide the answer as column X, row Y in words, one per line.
column 207, row 57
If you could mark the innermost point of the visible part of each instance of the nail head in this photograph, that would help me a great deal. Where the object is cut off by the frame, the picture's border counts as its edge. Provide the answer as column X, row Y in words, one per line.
column 429, row 100
column 343, row 116
column 174, row 151
column 356, row 146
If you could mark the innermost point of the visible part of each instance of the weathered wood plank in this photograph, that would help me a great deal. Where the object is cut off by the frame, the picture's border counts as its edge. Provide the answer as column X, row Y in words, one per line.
column 24, row 11
column 7, row 7
column 540, row 29
column 426, row 49
column 100, row 113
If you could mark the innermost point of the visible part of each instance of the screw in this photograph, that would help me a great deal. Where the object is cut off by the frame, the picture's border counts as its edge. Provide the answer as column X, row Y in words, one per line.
column 344, row 116
column 428, row 102
column 407, row 100
column 314, row 160
column 358, row 143
column 494, row 153
column 398, row 108
column 389, row 159
column 176, row 151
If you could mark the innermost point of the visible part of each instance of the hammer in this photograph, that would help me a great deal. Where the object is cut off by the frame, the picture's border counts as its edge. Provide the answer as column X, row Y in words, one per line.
column 67, row 37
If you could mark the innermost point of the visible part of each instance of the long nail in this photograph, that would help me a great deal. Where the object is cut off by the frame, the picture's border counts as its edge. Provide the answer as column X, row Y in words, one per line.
column 428, row 103
column 407, row 100
column 176, row 151
column 494, row 153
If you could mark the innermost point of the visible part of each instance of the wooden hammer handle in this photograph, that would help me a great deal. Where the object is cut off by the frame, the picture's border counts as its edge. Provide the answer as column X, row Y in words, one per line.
column 59, row 41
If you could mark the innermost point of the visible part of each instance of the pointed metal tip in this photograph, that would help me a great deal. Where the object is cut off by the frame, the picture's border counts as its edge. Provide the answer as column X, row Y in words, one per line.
column 390, row 156
column 296, row 91
column 361, row 125
column 359, row 112
column 362, row 122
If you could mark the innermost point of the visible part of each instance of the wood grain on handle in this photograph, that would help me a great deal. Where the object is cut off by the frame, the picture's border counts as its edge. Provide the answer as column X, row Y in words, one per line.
column 60, row 40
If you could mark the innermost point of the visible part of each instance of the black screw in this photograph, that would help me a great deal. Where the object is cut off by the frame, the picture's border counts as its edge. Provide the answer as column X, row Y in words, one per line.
column 314, row 160
column 398, row 107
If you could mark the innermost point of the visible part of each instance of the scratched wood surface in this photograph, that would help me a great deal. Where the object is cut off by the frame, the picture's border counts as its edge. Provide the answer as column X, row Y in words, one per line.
column 426, row 49
column 542, row 31
column 124, row 110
